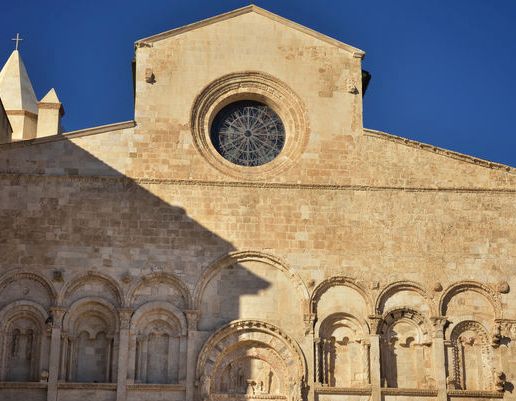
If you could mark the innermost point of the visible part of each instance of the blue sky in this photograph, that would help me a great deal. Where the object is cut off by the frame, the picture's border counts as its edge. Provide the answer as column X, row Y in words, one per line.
column 444, row 72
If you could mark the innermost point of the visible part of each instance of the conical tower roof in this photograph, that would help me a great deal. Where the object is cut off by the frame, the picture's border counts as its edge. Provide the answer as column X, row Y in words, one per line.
column 16, row 89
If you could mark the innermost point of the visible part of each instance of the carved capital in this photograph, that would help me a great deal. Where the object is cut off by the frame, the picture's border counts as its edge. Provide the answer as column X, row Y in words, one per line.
column 192, row 318
column 125, row 315
column 55, row 317
column 374, row 323
column 309, row 319
column 438, row 324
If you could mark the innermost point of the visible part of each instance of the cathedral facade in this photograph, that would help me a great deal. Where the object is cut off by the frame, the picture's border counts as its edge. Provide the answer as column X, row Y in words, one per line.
column 246, row 238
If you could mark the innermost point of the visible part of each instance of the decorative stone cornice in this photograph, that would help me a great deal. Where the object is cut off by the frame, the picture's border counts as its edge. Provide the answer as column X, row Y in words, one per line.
column 8, row 174
column 437, row 150
column 475, row 394
column 319, row 389
column 421, row 392
column 23, row 385
column 87, row 386
column 156, row 387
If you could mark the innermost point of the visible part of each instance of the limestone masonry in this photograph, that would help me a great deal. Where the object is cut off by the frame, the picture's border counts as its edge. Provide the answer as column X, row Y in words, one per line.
column 246, row 238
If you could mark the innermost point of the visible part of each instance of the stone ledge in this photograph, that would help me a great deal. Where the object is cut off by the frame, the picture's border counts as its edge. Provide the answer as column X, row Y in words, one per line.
column 156, row 387
column 420, row 392
column 475, row 394
column 343, row 390
column 87, row 386
column 29, row 385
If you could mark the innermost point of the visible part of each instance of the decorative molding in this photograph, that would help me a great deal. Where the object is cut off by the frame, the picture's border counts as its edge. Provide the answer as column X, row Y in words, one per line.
column 144, row 42
column 156, row 387
column 15, row 275
column 440, row 151
column 335, row 281
column 70, row 135
column 416, row 392
column 125, row 180
column 250, row 85
column 82, row 278
column 403, row 285
column 492, row 296
column 475, row 394
column 342, row 390
column 233, row 258
column 87, row 386
column 23, row 385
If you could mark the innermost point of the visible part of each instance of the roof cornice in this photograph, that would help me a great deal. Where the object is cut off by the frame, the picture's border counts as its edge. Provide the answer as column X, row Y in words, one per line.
column 357, row 53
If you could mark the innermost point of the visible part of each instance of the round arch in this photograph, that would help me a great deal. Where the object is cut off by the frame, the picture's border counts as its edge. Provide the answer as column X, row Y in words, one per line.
column 83, row 306
column 150, row 308
column 80, row 279
column 15, row 275
column 245, row 256
column 160, row 277
column 336, row 281
column 250, row 333
column 399, row 286
column 467, row 285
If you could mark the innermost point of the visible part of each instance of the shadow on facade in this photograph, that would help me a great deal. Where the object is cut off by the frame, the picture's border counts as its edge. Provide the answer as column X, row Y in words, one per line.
column 70, row 213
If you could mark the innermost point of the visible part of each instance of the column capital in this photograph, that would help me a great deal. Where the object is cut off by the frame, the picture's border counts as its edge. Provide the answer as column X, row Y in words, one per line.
column 438, row 324
column 374, row 323
column 192, row 318
column 125, row 315
column 55, row 317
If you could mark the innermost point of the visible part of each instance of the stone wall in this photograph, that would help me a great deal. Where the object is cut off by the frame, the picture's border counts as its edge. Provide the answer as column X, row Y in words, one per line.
column 136, row 265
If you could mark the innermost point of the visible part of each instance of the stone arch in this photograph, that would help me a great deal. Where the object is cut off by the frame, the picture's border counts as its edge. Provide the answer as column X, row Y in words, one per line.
column 250, row 341
column 321, row 289
column 90, row 327
column 405, row 350
column 147, row 309
column 462, row 286
column 471, row 358
column 244, row 256
column 65, row 295
column 161, row 277
column 16, row 276
column 22, row 335
column 400, row 286
column 157, row 344
column 342, row 351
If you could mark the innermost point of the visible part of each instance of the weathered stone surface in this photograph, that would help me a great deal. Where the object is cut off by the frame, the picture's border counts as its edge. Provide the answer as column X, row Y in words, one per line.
column 138, row 264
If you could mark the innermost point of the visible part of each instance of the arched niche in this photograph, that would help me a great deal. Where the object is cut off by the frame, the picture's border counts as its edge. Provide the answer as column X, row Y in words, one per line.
column 405, row 294
column 405, row 350
column 89, row 341
column 157, row 344
column 22, row 338
column 342, row 352
column 91, row 284
column 251, row 285
column 470, row 298
column 251, row 358
column 30, row 286
column 159, row 287
column 340, row 294
column 470, row 357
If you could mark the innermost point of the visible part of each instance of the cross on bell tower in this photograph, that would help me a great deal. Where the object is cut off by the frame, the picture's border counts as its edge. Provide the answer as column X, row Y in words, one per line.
column 17, row 39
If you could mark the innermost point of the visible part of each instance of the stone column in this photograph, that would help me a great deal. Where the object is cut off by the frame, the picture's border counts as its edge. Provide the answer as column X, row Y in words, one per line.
column 123, row 353
column 438, row 360
column 317, row 351
column 192, row 317
column 57, row 314
column 374, row 358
